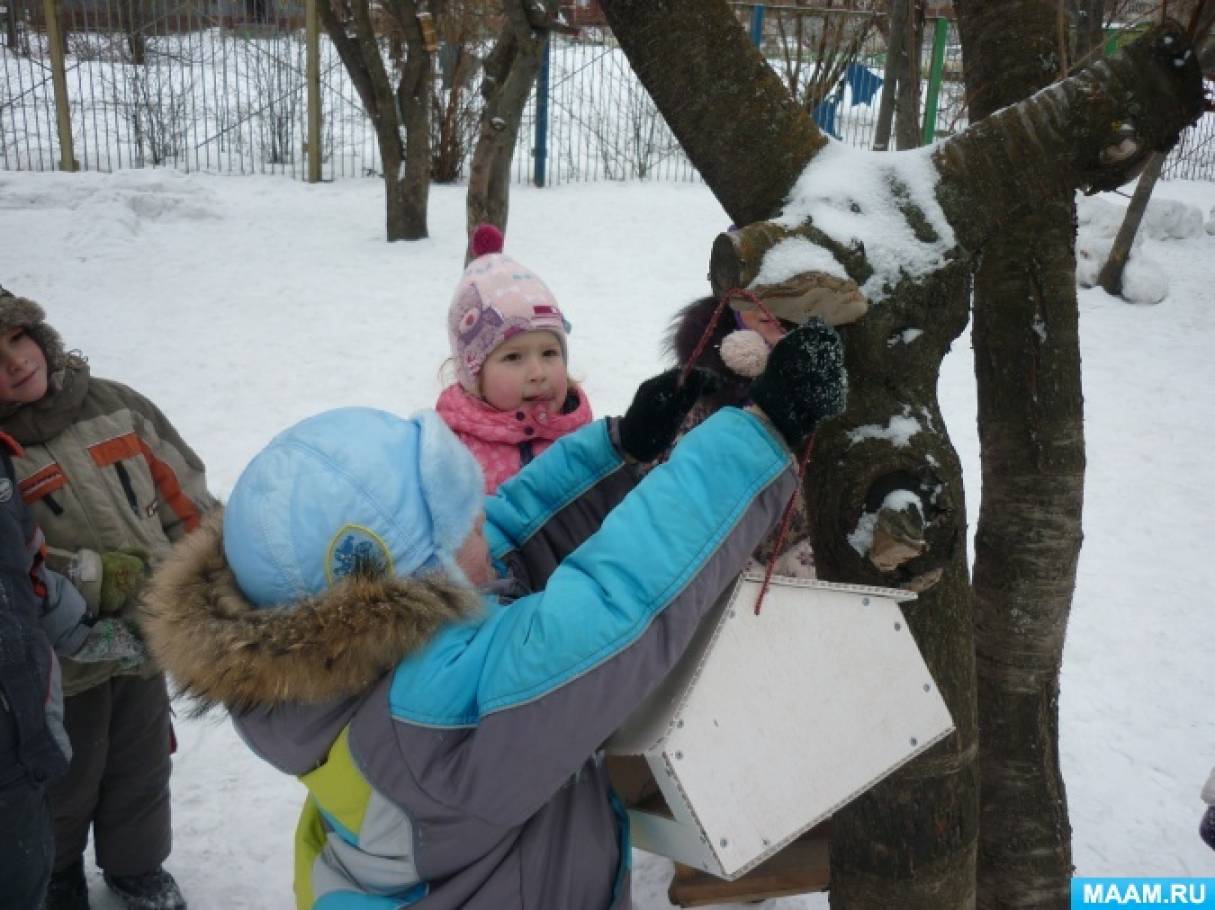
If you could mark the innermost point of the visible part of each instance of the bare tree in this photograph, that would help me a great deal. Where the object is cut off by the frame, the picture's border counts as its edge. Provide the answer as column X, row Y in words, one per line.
column 510, row 73
column 461, row 34
column 395, row 93
column 912, row 841
column 817, row 46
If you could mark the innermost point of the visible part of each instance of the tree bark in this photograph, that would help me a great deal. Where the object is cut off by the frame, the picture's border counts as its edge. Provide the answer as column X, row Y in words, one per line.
column 910, row 842
column 907, row 111
column 745, row 134
column 10, row 23
column 1110, row 276
column 896, row 35
column 399, row 113
column 510, row 73
column 1032, row 449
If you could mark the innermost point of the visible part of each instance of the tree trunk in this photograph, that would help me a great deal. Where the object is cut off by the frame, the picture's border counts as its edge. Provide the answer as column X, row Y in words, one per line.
column 896, row 34
column 907, row 111
column 1110, row 276
column 510, row 73
column 400, row 114
column 407, row 220
column 1032, row 449
column 910, row 841
column 10, row 22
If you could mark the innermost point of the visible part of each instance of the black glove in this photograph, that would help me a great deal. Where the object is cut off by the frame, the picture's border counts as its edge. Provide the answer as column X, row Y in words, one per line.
column 1207, row 827
column 804, row 381
column 652, row 421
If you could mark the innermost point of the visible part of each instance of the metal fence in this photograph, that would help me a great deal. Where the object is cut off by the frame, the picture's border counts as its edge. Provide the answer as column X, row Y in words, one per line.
column 219, row 86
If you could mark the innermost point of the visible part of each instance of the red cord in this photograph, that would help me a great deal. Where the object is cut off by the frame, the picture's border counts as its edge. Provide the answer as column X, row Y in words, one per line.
column 709, row 329
column 787, row 515
column 785, row 521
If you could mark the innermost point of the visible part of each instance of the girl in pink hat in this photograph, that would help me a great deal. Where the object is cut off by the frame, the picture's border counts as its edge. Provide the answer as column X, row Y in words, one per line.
column 513, row 395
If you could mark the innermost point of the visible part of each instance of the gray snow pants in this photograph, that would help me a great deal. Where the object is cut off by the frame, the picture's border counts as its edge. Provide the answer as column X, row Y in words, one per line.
column 119, row 777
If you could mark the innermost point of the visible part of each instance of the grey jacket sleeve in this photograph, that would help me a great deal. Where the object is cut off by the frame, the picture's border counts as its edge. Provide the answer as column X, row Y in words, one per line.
column 64, row 616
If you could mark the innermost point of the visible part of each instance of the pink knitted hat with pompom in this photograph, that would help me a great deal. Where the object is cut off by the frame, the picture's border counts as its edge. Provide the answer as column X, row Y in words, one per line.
column 496, row 299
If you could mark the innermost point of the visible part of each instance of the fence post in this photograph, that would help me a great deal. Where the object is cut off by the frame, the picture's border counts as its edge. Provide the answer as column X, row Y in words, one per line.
column 939, row 36
column 63, row 111
column 313, row 77
column 757, row 24
column 542, row 113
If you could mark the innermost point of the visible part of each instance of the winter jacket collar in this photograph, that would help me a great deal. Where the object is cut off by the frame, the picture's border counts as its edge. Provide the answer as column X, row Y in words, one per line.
column 470, row 415
column 54, row 412
column 336, row 644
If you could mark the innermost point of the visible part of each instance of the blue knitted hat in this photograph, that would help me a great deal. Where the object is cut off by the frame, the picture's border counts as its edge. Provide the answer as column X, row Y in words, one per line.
column 347, row 487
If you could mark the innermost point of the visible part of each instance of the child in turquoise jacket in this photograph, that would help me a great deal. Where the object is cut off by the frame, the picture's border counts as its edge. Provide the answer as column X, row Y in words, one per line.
column 440, row 670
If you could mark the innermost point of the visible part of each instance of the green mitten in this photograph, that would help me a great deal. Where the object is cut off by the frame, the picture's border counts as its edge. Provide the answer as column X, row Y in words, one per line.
column 122, row 575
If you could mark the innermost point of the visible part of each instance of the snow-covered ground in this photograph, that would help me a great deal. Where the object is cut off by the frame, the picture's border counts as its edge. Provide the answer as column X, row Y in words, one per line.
column 242, row 304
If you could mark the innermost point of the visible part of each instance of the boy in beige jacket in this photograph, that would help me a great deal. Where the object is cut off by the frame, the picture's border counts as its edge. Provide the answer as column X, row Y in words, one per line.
column 112, row 485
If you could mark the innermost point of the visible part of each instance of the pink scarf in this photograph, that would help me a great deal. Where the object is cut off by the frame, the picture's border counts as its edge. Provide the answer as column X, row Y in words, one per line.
column 499, row 439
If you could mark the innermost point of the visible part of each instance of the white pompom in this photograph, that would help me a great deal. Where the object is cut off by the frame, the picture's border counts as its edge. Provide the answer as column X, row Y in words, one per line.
column 745, row 352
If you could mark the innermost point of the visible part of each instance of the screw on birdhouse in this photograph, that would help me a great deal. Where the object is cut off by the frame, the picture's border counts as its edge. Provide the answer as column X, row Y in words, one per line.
column 898, row 626
column 767, row 843
column 865, row 602
column 678, row 756
column 724, row 842
column 927, row 688
column 679, row 723
column 914, row 741
column 730, row 615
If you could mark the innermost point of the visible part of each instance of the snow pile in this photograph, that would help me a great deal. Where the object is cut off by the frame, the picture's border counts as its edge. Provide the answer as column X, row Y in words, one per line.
column 1171, row 219
column 1099, row 218
column 1143, row 280
column 847, row 193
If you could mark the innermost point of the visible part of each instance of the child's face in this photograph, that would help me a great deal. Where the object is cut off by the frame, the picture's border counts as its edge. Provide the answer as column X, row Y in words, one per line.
column 758, row 321
column 22, row 367
column 526, row 370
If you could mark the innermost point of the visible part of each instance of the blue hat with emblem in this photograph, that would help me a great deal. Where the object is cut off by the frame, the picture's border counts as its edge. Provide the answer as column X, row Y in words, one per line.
column 348, row 487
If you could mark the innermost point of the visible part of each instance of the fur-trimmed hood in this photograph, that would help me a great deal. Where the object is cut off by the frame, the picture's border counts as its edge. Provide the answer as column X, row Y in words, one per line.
column 219, row 647
column 67, row 375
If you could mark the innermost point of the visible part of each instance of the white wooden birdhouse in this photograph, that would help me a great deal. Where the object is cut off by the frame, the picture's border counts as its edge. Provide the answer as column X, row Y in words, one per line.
column 771, row 723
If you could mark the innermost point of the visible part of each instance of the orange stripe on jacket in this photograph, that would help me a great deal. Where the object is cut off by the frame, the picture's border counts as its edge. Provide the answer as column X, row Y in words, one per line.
column 116, row 448
column 14, row 447
column 170, row 489
column 41, row 482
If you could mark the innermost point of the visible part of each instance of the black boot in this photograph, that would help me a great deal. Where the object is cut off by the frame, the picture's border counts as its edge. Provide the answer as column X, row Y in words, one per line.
column 155, row 890
column 68, row 889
